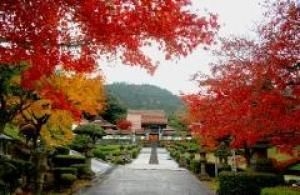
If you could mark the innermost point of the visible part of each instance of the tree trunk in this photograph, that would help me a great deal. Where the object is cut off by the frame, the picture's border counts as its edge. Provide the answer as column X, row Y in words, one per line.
column 41, row 166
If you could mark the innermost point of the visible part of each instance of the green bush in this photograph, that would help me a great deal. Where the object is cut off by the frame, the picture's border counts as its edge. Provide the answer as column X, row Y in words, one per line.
column 12, row 169
column 118, row 160
column 99, row 154
column 193, row 148
column 187, row 161
column 246, row 183
column 116, row 153
column 67, row 160
column 92, row 130
column 280, row 190
column 67, row 179
column 134, row 153
column 108, row 147
column 195, row 166
column 81, row 143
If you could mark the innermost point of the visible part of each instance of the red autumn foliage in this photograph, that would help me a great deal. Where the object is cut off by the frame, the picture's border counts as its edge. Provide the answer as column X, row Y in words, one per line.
column 71, row 35
column 253, row 92
column 124, row 124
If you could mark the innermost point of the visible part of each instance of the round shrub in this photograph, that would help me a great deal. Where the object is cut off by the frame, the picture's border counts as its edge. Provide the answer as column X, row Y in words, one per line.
column 134, row 153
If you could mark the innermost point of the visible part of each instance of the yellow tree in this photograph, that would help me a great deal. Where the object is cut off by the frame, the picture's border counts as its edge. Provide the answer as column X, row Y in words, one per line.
column 60, row 106
column 50, row 116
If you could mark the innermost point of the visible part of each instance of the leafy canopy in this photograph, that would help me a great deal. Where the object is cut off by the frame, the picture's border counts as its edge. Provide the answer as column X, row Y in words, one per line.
column 253, row 92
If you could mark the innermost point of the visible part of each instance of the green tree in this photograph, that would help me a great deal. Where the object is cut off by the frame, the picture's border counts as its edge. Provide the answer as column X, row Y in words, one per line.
column 177, row 123
column 13, row 98
column 115, row 110
column 92, row 130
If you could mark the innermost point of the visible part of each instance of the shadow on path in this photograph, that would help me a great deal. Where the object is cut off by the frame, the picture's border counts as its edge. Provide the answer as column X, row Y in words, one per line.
column 153, row 156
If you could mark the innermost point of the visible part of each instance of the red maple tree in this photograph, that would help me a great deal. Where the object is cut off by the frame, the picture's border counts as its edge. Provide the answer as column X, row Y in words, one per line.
column 253, row 92
column 124, row 124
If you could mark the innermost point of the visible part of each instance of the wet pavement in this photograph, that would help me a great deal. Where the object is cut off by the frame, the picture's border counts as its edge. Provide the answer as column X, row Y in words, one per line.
column 142, row 178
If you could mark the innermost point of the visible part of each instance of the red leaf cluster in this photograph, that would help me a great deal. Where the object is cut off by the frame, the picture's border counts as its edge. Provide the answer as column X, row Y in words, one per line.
column 71, row 35
column 124, row 124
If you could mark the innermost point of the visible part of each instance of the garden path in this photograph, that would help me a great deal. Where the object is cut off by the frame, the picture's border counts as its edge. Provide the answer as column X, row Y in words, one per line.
column 142, row 178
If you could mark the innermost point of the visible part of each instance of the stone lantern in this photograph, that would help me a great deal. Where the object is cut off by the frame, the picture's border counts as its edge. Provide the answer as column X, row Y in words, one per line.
column 203, row 175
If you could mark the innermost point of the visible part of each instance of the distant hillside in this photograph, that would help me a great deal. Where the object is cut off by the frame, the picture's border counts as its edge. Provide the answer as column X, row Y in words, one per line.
column 144, row 97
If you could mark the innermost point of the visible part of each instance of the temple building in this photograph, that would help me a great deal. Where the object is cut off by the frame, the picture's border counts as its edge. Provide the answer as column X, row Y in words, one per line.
column 149, row 122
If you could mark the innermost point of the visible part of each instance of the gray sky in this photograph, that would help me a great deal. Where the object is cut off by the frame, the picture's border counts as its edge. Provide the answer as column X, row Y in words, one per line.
column 236, row 17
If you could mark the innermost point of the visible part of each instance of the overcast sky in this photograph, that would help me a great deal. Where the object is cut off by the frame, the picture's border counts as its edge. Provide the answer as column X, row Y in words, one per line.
column 236, row 17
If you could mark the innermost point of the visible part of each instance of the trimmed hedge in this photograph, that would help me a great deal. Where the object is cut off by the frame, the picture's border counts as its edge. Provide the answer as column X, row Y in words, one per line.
column 108, row 147
column 246, row 183
column 63, row 170
column 62, row 150
column 117, row 154
column 280, row 190
column 82, row 169
column 67, row 160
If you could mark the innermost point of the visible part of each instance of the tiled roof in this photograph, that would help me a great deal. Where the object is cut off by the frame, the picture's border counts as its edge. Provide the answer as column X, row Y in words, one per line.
column 150, row 116
column 104, row 123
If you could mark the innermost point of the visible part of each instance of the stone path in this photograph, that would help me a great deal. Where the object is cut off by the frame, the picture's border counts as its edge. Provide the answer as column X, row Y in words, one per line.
column 142, row 178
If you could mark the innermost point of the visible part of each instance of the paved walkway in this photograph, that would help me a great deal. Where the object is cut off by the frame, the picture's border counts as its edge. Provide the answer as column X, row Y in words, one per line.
column 165, row 162
column 142, row 178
